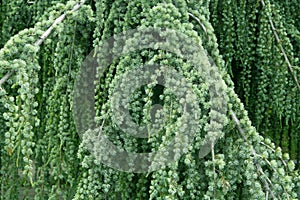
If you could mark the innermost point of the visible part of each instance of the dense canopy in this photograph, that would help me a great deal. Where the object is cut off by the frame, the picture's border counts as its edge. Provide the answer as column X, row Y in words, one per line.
column 251, row 142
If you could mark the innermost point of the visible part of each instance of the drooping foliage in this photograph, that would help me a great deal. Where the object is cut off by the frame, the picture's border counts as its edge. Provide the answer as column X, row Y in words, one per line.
column 253, row 44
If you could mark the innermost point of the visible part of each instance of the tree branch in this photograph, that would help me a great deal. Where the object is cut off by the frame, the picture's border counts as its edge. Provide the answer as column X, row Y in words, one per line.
column 5, row 77
column 198, row 20
column 45, row 35
column 281, row 49
column 258, row 166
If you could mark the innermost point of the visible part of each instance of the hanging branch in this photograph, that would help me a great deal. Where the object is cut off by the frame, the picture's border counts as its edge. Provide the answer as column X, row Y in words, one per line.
column 273, row 150
column 214, row 166
column 281, row 49
column 45, row 35
column 4, row 78
column 267, row 181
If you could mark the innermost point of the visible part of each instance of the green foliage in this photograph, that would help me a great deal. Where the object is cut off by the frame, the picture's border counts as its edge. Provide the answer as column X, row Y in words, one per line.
column 257, row 155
